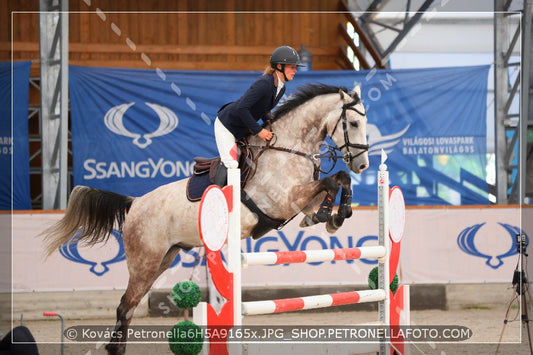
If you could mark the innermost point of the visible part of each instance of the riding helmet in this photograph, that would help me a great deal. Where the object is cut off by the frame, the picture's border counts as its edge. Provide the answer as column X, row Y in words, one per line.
column 285, row 55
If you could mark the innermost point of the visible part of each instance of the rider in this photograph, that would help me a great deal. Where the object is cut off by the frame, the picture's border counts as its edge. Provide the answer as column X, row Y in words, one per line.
column 238, row 119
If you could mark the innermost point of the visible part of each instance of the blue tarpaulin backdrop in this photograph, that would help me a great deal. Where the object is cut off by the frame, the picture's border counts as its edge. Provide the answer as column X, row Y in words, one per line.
column 14, row 136
column 134, row 130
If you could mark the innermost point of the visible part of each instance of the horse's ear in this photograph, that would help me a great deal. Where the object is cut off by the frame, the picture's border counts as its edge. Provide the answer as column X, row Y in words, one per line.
column 357, row 90
column 344, row 96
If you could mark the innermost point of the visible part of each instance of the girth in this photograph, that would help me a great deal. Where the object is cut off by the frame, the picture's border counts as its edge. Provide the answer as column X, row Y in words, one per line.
column 265, row 223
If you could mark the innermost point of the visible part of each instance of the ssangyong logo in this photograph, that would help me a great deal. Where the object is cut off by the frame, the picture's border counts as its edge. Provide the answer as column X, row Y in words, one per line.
column 467, row 243
column 168, row 121
column 99, row 265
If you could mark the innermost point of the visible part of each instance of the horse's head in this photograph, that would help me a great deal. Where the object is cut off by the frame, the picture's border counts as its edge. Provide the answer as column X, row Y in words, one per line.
column 348, row 131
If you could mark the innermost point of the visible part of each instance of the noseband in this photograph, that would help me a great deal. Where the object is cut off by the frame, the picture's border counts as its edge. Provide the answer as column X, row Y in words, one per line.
column 348, row 156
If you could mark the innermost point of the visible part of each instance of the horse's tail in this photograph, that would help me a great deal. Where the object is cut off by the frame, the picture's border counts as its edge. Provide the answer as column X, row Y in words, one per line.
column 93, row 212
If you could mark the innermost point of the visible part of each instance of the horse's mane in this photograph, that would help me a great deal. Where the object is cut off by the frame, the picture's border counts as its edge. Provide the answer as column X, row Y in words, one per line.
column 304, row 94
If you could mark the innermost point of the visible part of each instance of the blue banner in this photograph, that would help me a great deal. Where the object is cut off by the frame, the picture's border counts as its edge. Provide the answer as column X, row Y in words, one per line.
column 14, row 145
column 134, row 130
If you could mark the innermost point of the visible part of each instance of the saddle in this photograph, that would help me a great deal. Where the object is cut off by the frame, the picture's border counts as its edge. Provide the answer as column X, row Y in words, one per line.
column 205, row 169
column 204, row 165
column 203, row 176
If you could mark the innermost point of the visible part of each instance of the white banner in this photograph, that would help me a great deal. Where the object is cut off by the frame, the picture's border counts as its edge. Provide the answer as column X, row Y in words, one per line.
column 440, row 245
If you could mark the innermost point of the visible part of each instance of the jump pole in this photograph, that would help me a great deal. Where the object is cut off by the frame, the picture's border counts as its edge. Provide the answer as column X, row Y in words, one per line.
column 311, row 256
column 311, row 302
column 228, row 278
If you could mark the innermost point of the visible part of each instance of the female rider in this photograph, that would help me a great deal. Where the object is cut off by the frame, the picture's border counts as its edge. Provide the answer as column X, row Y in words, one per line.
column 238, row 119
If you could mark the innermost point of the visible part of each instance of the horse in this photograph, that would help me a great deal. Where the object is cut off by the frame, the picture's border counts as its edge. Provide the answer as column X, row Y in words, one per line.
column 157, row 225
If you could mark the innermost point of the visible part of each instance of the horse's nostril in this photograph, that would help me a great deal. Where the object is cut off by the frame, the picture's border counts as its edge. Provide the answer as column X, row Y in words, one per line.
column 363, row 167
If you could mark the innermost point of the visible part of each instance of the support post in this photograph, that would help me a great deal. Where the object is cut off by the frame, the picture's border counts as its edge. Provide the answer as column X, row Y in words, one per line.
column 384, row 240
column 234, row 243
column 234, row 254
column 524, row 99
column 53, row 54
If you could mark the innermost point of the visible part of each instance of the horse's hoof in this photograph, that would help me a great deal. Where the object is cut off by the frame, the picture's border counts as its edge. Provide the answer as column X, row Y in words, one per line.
column 330, row 228
column 345, row 211
column 308, row 221
column 334, row 223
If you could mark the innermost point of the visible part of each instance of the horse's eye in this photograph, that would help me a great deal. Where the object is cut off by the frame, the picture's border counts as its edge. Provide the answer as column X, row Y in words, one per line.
column 354, row 124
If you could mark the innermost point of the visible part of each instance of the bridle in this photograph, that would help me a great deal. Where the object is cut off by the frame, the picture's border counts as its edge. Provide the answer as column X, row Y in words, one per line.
column 330, row 150
column 348, row 156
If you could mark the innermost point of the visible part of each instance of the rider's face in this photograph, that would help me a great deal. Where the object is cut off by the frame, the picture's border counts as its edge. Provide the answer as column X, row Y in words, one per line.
column 290, row 70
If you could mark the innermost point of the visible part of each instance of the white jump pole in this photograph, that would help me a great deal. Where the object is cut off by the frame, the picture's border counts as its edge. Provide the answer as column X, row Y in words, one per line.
column 384, row 240
column 311, row 302
column 312, row 256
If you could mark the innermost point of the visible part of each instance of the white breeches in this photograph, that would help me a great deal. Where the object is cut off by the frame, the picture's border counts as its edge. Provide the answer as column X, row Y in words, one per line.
column 225, row 144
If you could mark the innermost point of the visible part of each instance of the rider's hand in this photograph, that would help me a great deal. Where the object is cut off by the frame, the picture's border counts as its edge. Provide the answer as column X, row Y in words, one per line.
column 265, row 134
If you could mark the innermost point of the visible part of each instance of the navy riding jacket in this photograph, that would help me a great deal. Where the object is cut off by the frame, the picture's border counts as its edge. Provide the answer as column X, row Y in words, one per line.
column 240, row 117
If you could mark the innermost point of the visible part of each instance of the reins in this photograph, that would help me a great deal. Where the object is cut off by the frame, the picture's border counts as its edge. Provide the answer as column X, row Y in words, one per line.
column 330, row 153
column 270, row 146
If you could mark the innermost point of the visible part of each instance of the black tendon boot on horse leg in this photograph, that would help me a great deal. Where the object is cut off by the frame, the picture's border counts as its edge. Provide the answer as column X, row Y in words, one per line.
column 345, row 206
column 331, row 186
column 345, row 211
column 324, row 211
column 343, row 180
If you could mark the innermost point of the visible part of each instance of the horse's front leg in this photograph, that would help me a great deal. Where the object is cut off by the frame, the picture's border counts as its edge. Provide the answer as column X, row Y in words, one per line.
column 335, row 221
column 345, row 205
column 326, row 207
column 343, row 180
column 330, row 187
column 323, row 190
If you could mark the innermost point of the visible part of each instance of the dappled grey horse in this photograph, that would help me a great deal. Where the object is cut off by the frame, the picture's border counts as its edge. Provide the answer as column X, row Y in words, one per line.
column 285, row 182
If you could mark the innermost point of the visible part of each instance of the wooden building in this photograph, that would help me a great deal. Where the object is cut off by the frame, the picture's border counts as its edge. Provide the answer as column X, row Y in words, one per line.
column 229, row 35
column 182, row 34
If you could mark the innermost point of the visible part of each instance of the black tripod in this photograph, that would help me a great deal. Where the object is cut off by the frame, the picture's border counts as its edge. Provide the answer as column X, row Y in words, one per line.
column 520, row 289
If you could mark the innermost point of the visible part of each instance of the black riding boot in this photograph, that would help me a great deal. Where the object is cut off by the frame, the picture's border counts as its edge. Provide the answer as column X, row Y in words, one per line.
column 221, row 175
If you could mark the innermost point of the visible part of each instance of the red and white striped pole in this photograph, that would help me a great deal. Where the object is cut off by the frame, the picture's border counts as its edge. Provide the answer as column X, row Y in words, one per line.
column 312, row 256
column 311, row 302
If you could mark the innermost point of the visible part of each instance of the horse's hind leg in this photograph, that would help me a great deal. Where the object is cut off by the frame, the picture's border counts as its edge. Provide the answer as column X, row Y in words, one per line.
column 142, row 275
column 137, row 288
